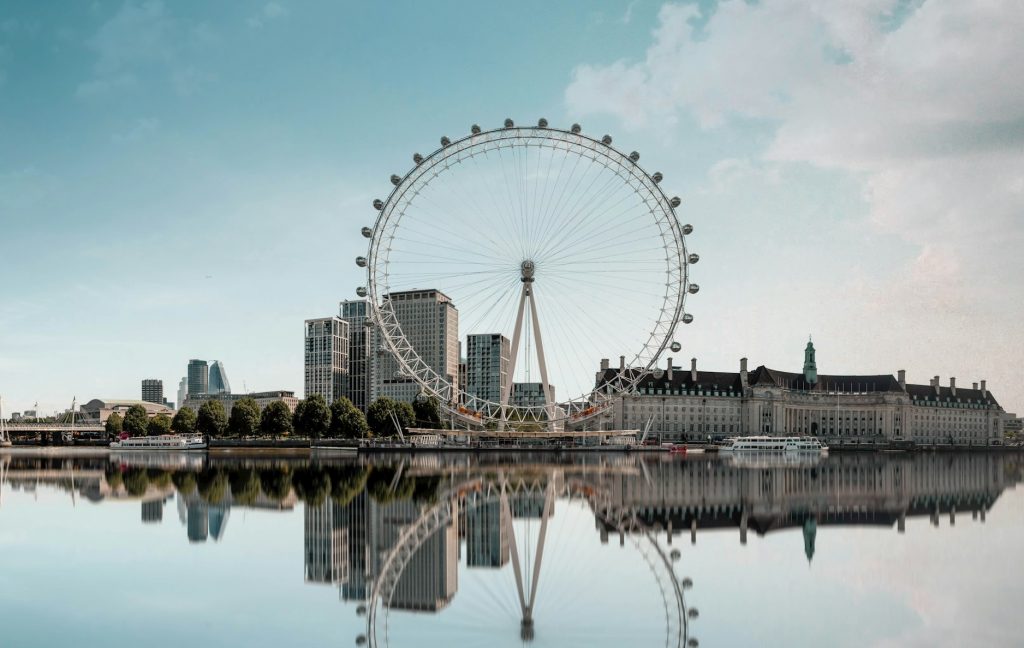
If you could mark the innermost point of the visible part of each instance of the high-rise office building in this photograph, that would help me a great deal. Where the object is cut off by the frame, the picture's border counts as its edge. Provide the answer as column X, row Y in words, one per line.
column 430, row 322
column 326, row 357
column 531, row 394
column 153, row 390
column 218, row 379
column 360, row 344
column 487, row 360
column 198, row 377
column 182, row 392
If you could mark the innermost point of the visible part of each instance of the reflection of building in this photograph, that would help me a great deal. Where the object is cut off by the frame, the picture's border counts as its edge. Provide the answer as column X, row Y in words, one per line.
column 198, row 377
column 218, row 379
column 487, row 542
column 487, row 360
column 694, row 404
column 360, row 345
column 153, row 512
column 202, row 519
column 228, row 400
column 326, row 540
column 430, row 322
column 326, row 357
column 430, row 578
column 153, row 390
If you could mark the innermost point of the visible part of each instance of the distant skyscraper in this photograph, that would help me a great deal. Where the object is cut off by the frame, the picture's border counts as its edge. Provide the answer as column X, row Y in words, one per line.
column 531, row 395
column 198, row 377
column 218, row 379
column 153, row 390
column 182, row 392
column 326, row 349
column 360, row 344
column 430, row 323
column 487, row 360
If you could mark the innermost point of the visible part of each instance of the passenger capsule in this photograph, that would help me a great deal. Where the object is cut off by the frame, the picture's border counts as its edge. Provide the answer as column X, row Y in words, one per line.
column 692, row 642
column 658, row 373
column 378, row 204
column 395, row 180
column 634, row 156
column 361, row 610
column 361, row 640
column 607, row 139
column 687, row 229
column 687, row 318
column 417, row 158
column 693, row 288
column 542, row 123
column 686, row 583
column 361, row 291
column 576, row 128
column 445, row 141
column 474, row 129
column 361, row 261
column 656, row 177
column 675, row 554
column 366, row 232
column 692, row 613
column 676, row 347
column 693, row 258
column 508, row 123
column 675, row 202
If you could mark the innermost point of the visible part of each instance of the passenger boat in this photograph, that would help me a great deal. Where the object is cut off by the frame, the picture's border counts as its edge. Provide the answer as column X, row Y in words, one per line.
column 754, row 444
column 177, row 442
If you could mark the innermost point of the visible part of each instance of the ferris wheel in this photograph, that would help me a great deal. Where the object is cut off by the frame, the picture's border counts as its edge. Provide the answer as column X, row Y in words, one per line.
column 554, row 247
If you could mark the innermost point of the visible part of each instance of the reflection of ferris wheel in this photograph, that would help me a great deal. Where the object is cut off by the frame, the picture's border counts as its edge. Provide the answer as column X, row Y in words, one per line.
column 662, row 618
column 524, row 225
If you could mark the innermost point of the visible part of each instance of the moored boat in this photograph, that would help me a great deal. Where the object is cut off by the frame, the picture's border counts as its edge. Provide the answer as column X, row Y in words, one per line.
column 176, row 442
column 755, row 444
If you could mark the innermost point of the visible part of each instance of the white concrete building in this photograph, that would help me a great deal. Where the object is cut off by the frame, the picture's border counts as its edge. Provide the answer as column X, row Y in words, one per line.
column 430, row 322
column 326, row 357
column 694, row 405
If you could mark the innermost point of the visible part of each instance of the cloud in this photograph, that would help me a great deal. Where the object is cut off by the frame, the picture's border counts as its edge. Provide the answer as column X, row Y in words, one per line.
column 920, row 101
column 143, row 43
column 139, row 129
column 270, row 11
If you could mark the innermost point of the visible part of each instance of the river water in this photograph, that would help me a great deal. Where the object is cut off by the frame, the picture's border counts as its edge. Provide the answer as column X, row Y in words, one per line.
column 509, row 550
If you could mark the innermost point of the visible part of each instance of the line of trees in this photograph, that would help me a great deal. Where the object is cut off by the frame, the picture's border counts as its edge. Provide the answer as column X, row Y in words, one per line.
column 313, row 418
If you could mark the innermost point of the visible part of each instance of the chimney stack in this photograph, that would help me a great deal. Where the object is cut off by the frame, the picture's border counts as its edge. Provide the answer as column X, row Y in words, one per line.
column 604, row 364
column 743, row 373
column 902, row 377
column 952, row 385
column 693, row 370
column 669, row 370
column 974, row 386
column 984, row 392
column 935, row 384
column 622, row 363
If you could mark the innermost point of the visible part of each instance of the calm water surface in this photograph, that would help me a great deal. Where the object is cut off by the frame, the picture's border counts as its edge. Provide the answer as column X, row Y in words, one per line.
column 546, row 550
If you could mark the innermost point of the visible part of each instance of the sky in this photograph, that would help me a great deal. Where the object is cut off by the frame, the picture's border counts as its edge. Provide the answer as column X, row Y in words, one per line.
column 187, row 180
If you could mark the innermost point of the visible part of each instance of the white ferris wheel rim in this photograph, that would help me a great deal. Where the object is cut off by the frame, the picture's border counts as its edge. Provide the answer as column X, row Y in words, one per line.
column 406, row 188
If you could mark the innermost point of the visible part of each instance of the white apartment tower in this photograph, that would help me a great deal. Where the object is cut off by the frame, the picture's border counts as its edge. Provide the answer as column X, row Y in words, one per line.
column 326, row 357
column 430, row 322
column 488, row 356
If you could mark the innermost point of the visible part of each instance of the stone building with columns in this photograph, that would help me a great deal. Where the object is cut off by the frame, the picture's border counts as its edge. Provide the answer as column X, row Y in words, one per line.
column 678, row 405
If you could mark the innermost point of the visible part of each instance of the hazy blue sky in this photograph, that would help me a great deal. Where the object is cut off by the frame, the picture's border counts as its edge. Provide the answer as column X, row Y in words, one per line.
column 187, row 179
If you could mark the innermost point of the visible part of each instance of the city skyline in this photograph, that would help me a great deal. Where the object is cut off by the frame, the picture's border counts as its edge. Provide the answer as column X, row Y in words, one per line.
column 885, row 249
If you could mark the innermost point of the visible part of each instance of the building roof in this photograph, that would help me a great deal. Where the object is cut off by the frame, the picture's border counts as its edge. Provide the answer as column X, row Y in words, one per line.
column 927, row 393
column 763, row 376
column 681, row 379
column 113, row 403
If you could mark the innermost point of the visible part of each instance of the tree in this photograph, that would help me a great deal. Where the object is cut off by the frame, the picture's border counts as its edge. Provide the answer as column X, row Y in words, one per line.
column 245, row 418
column 347, row 421
column 159, row 424
column 115, row 424
column 378, row 415
column 276, row 420
column 427, row 413
column 184, row 421
column 300, row 411
column 136, row 421
column 211, row 419
column 313, row 417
